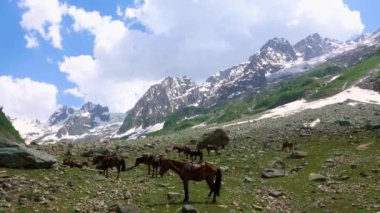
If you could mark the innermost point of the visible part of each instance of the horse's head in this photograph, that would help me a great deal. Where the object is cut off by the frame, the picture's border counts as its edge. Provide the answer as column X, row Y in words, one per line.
column 97, row 159
column 165, row 165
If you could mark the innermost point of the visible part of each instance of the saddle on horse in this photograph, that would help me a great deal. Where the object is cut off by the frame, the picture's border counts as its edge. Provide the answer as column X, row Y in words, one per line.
column 191, row 167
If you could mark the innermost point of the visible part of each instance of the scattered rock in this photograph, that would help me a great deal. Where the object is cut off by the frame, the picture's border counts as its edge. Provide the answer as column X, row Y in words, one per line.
column 98, row 177
column 189, row 209
column 317, row 177
column 258, row 208
column 271, row 173
column 248, row 179
column 277, row 163
column 276, row 194
column 71, row 183
column 174, row 197
column 342, row 177
column 224, row 168
column 127, row 195
column 127, row 208
column 7, row 186
column 363, row 146
column 4, row 204
column 297, row 155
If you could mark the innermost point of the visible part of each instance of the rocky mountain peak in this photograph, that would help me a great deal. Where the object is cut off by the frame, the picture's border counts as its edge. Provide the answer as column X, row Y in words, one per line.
column 160, row 100
column 60, row 115
column 314, row 46
column 277, row 47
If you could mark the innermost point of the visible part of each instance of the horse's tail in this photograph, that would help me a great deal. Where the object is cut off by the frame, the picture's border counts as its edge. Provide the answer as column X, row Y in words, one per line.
column 123, row 165
column 218, row 181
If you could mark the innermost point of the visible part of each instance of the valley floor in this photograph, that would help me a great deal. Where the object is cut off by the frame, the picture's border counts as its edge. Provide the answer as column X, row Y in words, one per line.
column 350, row 163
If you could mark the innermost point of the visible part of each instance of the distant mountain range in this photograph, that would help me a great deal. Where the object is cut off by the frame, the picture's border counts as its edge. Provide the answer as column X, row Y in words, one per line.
column 90, row 122
column 276, row 60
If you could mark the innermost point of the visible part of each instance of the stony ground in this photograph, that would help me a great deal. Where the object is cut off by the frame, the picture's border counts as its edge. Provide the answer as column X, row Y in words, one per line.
column 340, row 171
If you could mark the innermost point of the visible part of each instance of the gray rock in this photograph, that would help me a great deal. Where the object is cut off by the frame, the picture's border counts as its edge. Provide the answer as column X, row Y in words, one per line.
column 297, row 155
column 128, row 195
column 248, row 179
column 13, row 155
column 189, row 209
column 4, row 204
column 277, row 163
column 317, row 177
column 342, row 177
column 276, row 193
column 174, row 197
column 127, row 208
column 271, row 173
column 224, row 168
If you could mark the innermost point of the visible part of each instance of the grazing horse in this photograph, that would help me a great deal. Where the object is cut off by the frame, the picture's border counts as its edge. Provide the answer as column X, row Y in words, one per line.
column 287, row 146
column 180, row 149
column 210, row 147
column 72, row 163
column 193, row 153
column 155, row 161
column 109, row 161
column 150, row 160
column 196, row 172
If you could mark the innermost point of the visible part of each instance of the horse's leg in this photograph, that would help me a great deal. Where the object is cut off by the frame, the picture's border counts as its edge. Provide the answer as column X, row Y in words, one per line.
column 208, row 151
column 118, row 172
column 153, row 170
column 210, row 185
column 186, row 189
column 148, row 168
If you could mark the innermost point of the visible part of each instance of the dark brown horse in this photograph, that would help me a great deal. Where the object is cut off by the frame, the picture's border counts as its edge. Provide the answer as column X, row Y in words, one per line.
column 110, row 161
column 153, row 161
column 193, row 153
column 210, row 147
column 180, row 149
column 196, row 172
column 286, row 145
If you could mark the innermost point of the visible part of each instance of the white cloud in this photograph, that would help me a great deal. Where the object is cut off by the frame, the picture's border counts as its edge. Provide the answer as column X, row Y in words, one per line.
column 31, row 41
column 118, row 11
column 194, row 38
column 26, row 98
column 74, row 92
column 42, row 17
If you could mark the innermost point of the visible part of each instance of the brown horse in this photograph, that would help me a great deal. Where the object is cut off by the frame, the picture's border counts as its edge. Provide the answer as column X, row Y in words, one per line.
column 180, row 149
column 193, row 153
column 153, row 161
column 210, row 147
column 196, row 172
column 109, row 161
column 72, row 163
column 286, row 145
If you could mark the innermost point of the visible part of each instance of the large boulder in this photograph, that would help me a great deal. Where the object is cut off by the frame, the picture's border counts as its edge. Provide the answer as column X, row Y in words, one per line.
column 15, row 155
column 219, row 137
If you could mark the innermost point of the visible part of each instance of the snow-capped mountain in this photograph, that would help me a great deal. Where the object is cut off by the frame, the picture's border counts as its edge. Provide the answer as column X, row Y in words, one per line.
column 90, row 122
column 169, row 95
column 277, row 58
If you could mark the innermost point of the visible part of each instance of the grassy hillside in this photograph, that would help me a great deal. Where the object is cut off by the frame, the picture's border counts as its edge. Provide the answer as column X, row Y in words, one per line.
column 352, row 186
column 310, row 86
column 7, row 131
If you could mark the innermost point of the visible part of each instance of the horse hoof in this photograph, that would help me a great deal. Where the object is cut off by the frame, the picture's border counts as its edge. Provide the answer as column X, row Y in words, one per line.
column 214, row 201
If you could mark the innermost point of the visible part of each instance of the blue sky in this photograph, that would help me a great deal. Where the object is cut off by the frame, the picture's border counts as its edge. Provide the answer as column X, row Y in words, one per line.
column 125, row 53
